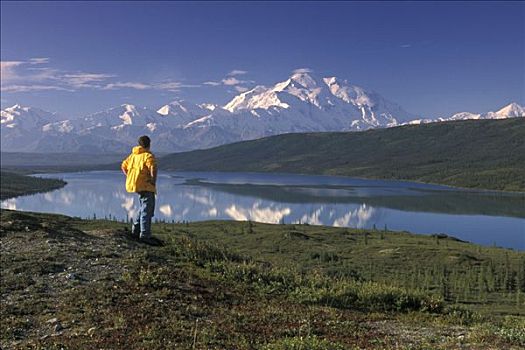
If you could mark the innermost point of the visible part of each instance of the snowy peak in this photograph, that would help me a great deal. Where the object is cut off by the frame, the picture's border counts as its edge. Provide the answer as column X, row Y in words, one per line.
column 208, row 106
column 326, row 91
column 180, row 107
column 174, row 107
column 128, row 107
column 346, row 105
column 259, row 97
column 130, row 113
column 348, row 93
column 164, row 110
column 300, row 87
column 125, row 115
column 306, row 80
column 303, row 102
column 16, row 107
column 18, row 115
column 304, row 86
column 462, row 116
column 19, row 110
column 179, row 113
column 511, row 111
column 60, row 127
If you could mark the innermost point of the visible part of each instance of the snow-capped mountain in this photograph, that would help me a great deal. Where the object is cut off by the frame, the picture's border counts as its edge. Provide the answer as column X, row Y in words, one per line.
column 22, row 127
column 512, row 110
column 180, row 113
column 323, row 104
column 26, row 117
column 301, row 103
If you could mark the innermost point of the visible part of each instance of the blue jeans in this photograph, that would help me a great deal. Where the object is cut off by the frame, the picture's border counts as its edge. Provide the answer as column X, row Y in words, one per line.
column 142, row 223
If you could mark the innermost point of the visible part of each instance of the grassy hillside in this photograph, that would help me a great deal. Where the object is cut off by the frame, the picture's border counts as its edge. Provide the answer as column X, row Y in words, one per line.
column 27, row 163
column 70, row 283
column 486, row 154
column 437, row 264
column 13, row 185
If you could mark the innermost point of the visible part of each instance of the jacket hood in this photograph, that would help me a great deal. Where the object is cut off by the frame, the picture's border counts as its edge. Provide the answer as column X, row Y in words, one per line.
column 139, row 150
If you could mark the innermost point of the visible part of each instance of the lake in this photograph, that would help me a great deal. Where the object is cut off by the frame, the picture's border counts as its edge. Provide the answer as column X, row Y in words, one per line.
column 483, row 217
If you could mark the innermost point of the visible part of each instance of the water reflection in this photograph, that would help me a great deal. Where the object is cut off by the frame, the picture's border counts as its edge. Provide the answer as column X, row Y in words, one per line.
column 9, row 204
column 355, row 218
column 475, row 216
column 128, row 203
column 445, row 200
column 272, row 214
column 166, row 210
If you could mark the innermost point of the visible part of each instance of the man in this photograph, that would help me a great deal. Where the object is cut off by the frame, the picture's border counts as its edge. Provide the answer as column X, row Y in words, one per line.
column 140, row 168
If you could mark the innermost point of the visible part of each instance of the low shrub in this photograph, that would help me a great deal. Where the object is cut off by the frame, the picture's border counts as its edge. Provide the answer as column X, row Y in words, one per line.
column 513, row 330
column 461, row 315
column 371, row 296
column 303, row 343
column 311, row 287
column 201, row 252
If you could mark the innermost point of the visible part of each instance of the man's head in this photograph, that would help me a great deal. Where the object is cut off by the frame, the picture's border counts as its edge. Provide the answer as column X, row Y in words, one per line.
column 144, row 141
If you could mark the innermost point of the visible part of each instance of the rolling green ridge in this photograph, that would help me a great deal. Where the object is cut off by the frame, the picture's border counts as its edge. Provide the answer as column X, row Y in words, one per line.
column 31, row 163
column 487, row 154
column 13, row 185
column 20, row 159
column 68, row 283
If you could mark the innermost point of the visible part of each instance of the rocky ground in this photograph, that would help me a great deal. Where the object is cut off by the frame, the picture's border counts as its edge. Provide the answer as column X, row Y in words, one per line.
column 71, row 284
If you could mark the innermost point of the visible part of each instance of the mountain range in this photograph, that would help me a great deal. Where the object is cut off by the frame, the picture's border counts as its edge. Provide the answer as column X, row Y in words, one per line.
column 301, row 103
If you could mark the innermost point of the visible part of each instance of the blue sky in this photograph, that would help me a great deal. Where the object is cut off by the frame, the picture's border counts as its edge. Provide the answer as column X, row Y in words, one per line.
column 432, row 58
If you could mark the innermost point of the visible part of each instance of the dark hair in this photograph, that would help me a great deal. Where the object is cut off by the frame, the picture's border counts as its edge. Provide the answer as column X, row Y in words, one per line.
column 144, row 141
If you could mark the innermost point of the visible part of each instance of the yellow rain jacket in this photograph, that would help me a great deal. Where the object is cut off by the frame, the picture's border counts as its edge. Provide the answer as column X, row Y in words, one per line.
column 138, row 166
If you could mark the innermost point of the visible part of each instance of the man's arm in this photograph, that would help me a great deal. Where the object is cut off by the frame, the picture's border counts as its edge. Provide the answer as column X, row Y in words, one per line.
column 154, row 175
column 124, row 166
column 152, row 165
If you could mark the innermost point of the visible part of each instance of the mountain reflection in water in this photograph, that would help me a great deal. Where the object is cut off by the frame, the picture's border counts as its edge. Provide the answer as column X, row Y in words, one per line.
column 479, row 216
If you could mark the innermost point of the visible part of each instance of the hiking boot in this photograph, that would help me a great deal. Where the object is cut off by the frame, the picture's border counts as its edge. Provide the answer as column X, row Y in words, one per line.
column 151, row 241
column 131, row 234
